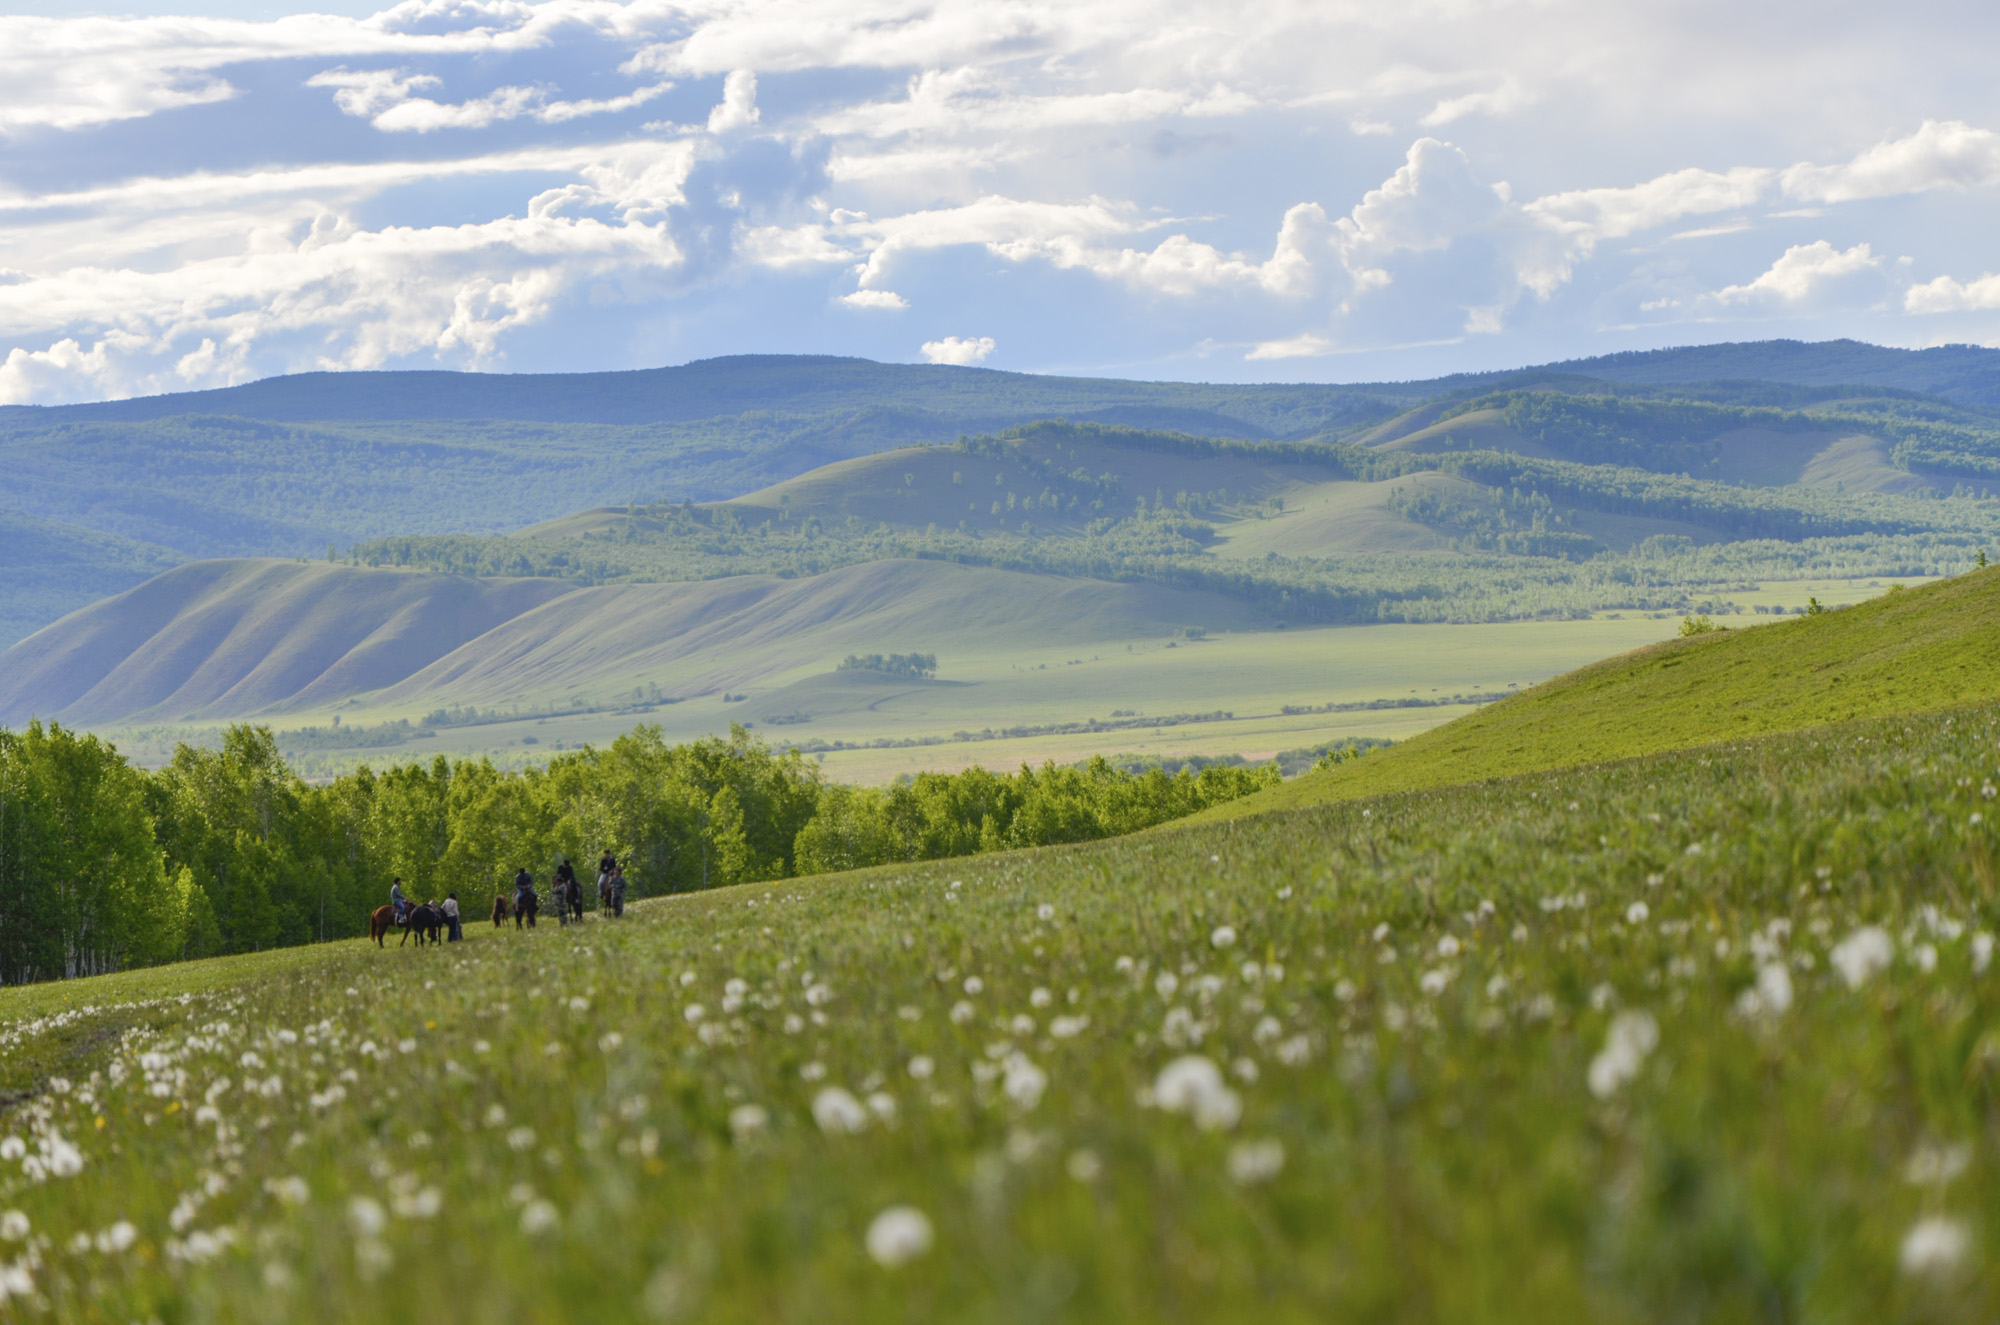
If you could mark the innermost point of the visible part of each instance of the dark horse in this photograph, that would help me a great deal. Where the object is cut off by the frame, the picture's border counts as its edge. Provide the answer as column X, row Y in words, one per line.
column 526, row 907
column 501, row 910
column 425, row 920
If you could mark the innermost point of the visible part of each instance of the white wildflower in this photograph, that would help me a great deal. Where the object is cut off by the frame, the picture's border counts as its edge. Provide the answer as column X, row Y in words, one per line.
column 1861, row 954
column 1223, row 937
column 1040, row 998
column 693, row 1013
column 1448, row 947
column 1067, row 1028
column 921, row 1067
column 1023, row 1082
column 538, row 1217
column 962, row 1012
column 12, row 1148
column 1193, row 1085
column 1045, row 912
column 1636, row 913
column 1982, row 952
column 119, row 1237
column 13, row 1226
column 291, row 1190
column 974, row 985
column 1772, row 994
column 1084, row 1165
column 1256, row 1161
column 1936, row 1165
column 367, row 1216
column 1434, row 982
column 838, row 1113
column 521, row 1138
column 898, row 1236
column 1633, row 1035
column 747, row 1120
column 1933, row 1247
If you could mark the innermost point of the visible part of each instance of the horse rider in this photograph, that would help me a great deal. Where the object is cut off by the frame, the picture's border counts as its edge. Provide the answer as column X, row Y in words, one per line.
column 525, row 901
column 400, row 902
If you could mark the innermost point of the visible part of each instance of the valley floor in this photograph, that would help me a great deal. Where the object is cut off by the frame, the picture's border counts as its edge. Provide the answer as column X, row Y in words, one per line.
column 990, row 691
column 1701, row 1036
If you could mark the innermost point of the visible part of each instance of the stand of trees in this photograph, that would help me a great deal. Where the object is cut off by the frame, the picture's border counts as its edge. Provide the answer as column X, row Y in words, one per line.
column 104, row 865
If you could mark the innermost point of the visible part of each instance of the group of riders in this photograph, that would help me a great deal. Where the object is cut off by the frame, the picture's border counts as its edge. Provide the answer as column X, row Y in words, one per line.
column 565, row 891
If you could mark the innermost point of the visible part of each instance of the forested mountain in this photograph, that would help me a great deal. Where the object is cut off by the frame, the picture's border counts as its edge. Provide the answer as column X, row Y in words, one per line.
column 99, row 496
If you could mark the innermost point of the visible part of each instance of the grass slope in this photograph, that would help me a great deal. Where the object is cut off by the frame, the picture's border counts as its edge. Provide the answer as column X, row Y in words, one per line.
column 1908, row 651
column 228, row 639
column 1698, row 1037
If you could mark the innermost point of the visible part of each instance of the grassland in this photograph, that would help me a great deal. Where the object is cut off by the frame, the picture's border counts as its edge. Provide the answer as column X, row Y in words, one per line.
column 1906, row 651
column 1700, row 1036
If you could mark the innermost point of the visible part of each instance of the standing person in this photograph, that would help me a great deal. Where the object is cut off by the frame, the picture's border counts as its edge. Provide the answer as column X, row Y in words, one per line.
column 397, row 900
column 451, row 917
column 617, row 891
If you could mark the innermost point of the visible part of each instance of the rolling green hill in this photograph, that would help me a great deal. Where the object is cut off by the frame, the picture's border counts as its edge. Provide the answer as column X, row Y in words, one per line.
column 228, row 639
column 1908, row 651
column 290, row 465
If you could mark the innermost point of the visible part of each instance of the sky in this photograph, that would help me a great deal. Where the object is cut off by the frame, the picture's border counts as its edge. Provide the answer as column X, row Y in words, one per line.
column 210, row 192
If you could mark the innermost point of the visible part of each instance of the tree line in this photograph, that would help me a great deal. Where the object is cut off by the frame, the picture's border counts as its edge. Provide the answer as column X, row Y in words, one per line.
column 104, row 865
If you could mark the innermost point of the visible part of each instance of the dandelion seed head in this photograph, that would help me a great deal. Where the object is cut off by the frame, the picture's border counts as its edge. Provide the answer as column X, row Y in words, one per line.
column 838, row 1113
column 1933, row 1248
column 898, row 1236
column 1223, row 937
column 1862, row 954
column 1256, row 1161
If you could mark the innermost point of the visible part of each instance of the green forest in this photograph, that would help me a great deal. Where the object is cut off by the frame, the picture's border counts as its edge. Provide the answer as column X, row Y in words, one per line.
column 104, row 865
column 1511, row 558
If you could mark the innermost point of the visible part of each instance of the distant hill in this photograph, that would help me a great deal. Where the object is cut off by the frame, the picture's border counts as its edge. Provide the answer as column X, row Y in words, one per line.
column 1914, row 651
column 232, row 639
column 291, row 465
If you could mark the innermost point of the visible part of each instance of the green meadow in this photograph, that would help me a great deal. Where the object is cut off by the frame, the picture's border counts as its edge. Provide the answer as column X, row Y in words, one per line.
column 1697, row 1033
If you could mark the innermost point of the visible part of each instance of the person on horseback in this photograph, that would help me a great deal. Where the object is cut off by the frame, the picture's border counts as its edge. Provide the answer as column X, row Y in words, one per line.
column 525, row 901
column 400, row 902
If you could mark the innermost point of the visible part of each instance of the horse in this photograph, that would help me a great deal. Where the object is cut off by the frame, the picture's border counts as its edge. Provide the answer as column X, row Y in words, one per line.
column 501, row 910
column 380, row 922
column 425, row 922
column 525, row 908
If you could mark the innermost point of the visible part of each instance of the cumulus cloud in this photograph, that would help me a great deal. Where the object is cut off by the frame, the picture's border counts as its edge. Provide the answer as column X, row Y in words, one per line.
column 954, row 350
column 878, row 299
column 1809, row 274
column 1939, row 155
column 738, row 109
column 934, row 153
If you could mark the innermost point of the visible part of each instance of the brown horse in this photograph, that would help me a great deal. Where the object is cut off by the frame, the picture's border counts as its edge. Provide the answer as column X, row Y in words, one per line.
column 381, row 922
column 501, row 910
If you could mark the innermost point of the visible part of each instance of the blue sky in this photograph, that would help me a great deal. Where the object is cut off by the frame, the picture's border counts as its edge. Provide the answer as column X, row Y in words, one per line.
column 198, row 194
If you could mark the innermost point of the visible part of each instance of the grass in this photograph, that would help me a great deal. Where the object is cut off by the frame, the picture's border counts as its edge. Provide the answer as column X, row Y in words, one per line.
column 1905, row 651
column 1434, row 1094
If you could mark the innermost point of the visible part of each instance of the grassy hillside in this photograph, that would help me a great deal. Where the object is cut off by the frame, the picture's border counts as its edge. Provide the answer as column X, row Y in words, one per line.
column 1908, row 651
column 1672, row 1040
column 227, row 639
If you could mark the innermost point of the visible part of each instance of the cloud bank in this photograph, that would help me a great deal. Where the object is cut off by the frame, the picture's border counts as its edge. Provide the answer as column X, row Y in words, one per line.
column 1174, row 188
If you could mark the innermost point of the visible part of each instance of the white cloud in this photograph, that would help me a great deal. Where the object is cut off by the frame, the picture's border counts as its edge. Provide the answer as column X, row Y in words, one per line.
column 386, row 98
column 1306, row 346
column 1939, row 155
column 953, row 350
column 1945, row 295
column 879, row 299
column 738, row 108
column 1509, row 96
column 1805, row 274
column 949, row 149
